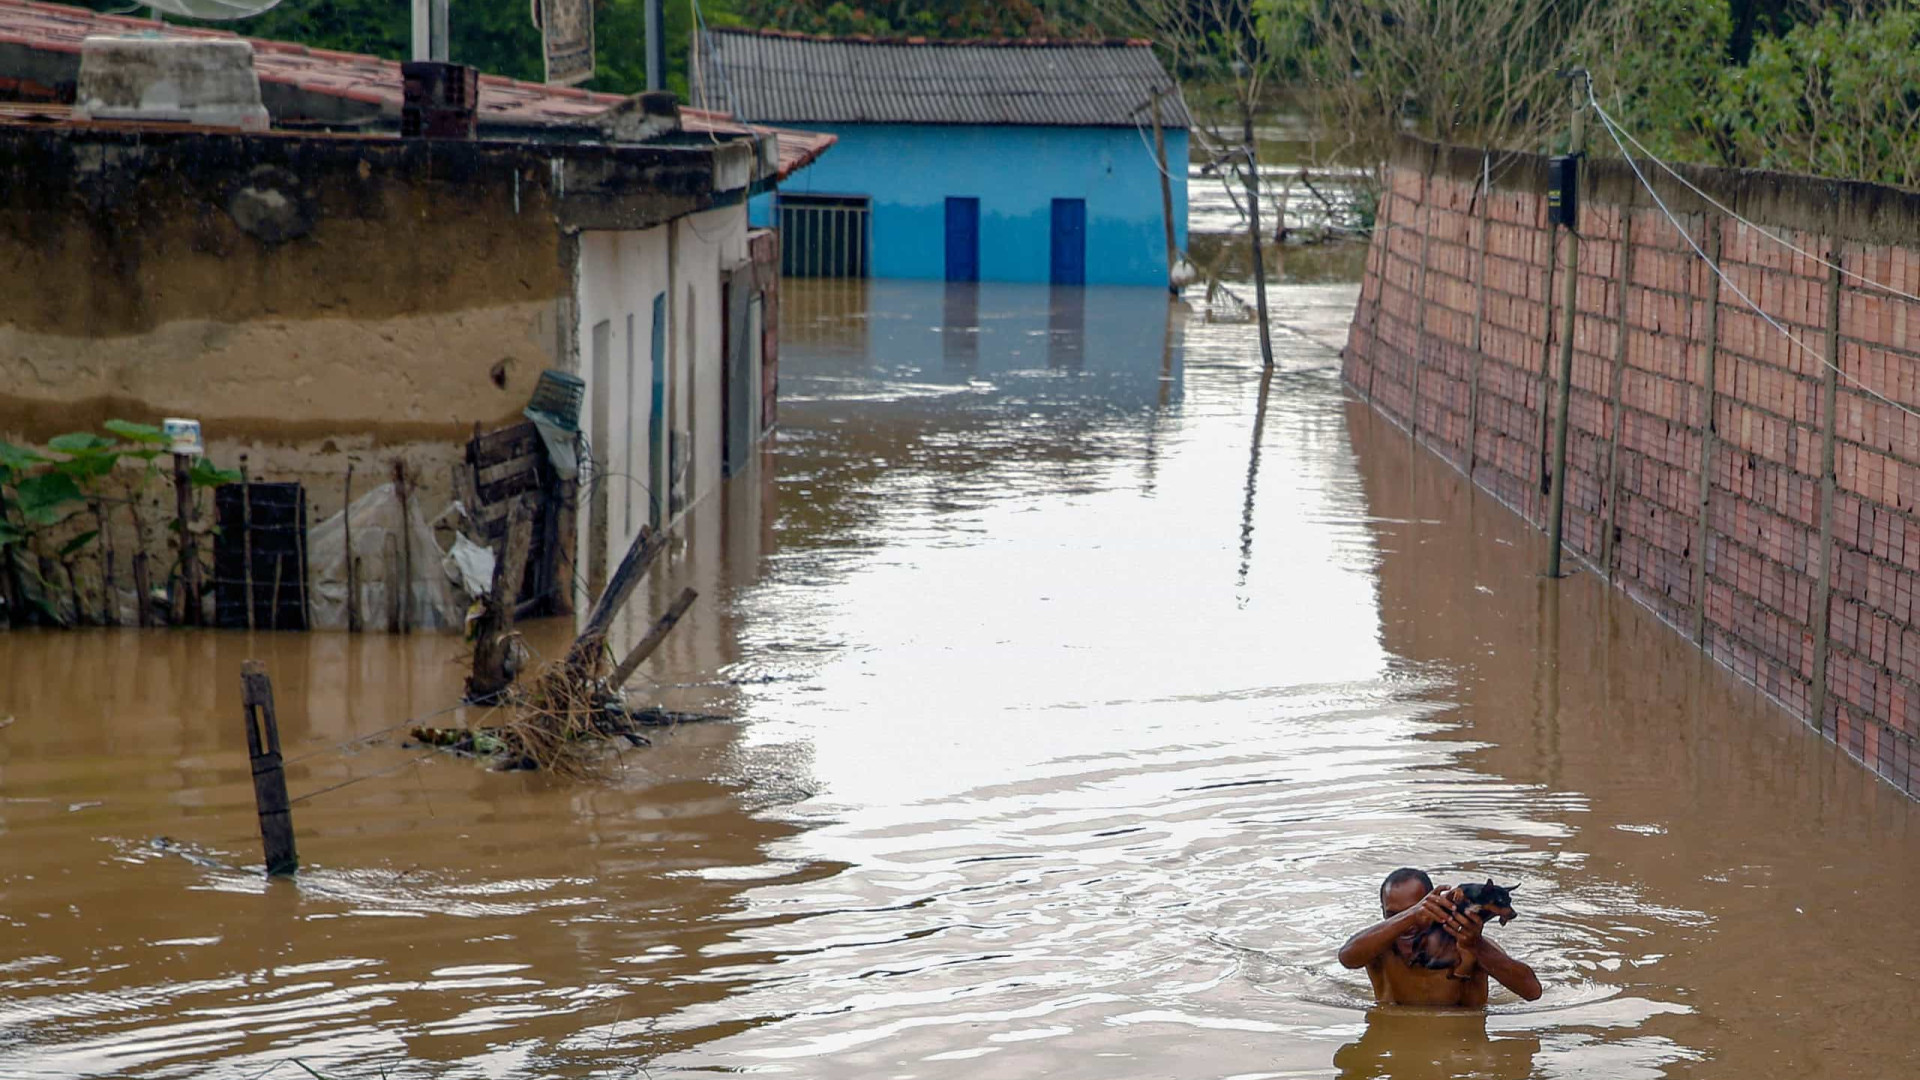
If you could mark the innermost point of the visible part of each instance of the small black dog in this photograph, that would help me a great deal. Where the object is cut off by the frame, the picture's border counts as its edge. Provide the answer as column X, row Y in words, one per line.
column 1436, row 948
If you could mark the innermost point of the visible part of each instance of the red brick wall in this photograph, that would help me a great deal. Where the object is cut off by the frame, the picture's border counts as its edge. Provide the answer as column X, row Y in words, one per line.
column 1457, row 336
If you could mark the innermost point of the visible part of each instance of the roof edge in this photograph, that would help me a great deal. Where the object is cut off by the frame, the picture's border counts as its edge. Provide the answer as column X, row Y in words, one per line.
column 991, row 43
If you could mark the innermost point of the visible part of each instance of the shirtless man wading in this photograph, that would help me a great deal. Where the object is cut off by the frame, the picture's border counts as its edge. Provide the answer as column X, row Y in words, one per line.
column 1411, row 905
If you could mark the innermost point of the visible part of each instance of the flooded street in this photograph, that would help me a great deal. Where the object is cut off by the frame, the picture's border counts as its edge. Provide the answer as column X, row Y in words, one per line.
column 1083, row 698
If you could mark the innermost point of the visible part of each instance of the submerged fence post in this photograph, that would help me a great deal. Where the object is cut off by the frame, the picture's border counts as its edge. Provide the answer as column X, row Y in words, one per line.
column 1382, row 228
column 1709, row 438
column 1420, row 299
column 1823, row 584
column 186, row 602
column 1570, row 291
column 1479, row 314
column 658, row 633
column 1609, row 522
column 269, row 777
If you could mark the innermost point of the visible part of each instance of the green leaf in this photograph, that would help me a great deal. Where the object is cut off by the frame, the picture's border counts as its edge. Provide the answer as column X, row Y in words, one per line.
column 72, row 546
column 205, row 474
column 18, row 457
column 78, row 442
column 140, row 433
column 42, row 497
column 11, row 535
column 87, row 466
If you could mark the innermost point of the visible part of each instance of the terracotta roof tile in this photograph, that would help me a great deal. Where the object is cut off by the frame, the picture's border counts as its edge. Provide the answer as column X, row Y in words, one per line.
column 371, row 79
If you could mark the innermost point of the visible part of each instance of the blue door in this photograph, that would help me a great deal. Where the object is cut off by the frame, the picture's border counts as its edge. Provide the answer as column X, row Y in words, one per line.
column 657, row 414
column 963, row 239
column 1069, row 242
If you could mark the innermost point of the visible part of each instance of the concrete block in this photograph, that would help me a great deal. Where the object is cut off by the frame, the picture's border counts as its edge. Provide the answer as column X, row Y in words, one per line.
column 206, row 81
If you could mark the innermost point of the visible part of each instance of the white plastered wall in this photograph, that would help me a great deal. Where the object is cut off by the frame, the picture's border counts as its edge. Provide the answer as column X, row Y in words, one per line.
column 619, row 274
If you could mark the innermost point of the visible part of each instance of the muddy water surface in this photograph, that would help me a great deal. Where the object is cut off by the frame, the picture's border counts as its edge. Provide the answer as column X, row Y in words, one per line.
column 1082, row 704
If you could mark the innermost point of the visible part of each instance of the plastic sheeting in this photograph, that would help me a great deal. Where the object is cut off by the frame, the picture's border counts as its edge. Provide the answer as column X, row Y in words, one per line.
column 389, row 553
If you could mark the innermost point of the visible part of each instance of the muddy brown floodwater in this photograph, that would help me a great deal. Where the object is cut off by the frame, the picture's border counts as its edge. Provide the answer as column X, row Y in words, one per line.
column 1078, row 720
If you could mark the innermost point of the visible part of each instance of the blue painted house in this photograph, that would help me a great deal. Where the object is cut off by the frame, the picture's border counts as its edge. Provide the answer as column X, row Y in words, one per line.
column 969, row 161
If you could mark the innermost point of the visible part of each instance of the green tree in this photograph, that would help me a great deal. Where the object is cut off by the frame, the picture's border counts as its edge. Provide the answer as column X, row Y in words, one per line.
column 1837, row 97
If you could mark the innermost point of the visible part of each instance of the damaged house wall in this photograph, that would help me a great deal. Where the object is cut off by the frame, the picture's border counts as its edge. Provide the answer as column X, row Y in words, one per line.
column 316, row 302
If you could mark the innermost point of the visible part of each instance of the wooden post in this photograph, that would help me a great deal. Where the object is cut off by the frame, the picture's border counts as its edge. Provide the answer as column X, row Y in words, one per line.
column 1709, row 439
column 390, row 568
column 353, row 589
column 493, row 661
column 646, row 646
column 269, row 777
column 645, row 548
column 246, row 536
column 1479, row 314
column 562, row 518
column 1570, row 299
column 1625, row 285
column 141, row 583
column 141, row 587
column 1166, row 186
column 406, row 545
column 300, row 556
column 186, row 600
column 1253, row 220
column 1420, row 302
column 1823, row 584
column 109, row 604
column 1383, row 227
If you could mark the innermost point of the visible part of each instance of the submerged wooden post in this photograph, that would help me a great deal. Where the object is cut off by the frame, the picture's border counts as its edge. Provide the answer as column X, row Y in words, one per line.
column 655, row 636
column 186, row 601
column 1610, row 511
column 1570, row 300
column 269, row 778
column 246, row 536
column 493, row 660
column 1822, row 613
column 400, row 488
column 353, row 590
column 646, row 547
column 1709, row 435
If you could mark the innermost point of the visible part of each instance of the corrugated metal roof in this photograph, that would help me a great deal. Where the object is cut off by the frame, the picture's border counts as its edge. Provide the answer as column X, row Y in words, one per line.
column 770, row 77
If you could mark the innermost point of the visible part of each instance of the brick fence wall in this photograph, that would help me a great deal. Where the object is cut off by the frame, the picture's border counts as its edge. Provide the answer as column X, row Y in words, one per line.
column 1698, row 433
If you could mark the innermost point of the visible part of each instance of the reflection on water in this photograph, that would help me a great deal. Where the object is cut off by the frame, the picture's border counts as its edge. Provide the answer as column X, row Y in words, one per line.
column 1086, row 693
column 1410, row 1044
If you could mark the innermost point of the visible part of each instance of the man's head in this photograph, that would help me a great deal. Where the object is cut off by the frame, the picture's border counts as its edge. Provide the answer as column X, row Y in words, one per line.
column 1403, row 888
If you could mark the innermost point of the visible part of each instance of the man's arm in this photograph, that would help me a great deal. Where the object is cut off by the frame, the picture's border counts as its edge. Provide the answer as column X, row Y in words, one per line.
column 1364, row 947
column 1512, row 974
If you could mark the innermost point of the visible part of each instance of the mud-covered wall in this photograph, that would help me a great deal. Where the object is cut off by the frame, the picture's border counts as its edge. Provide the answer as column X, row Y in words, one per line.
column 1699, row 434
column 316, row 303
column 275, row 286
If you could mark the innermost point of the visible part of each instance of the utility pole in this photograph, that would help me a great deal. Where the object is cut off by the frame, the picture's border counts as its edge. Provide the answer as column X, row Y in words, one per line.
column 1253, row 216
column 657, row 47
column 431, row 27
column 1166, row 183
column 1569, row 296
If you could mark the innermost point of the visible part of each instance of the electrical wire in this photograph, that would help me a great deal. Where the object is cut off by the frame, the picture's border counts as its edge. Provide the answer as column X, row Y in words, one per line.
column 350, row 781
column 372, row 735
column 1725, row 209
column 1607, row 122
